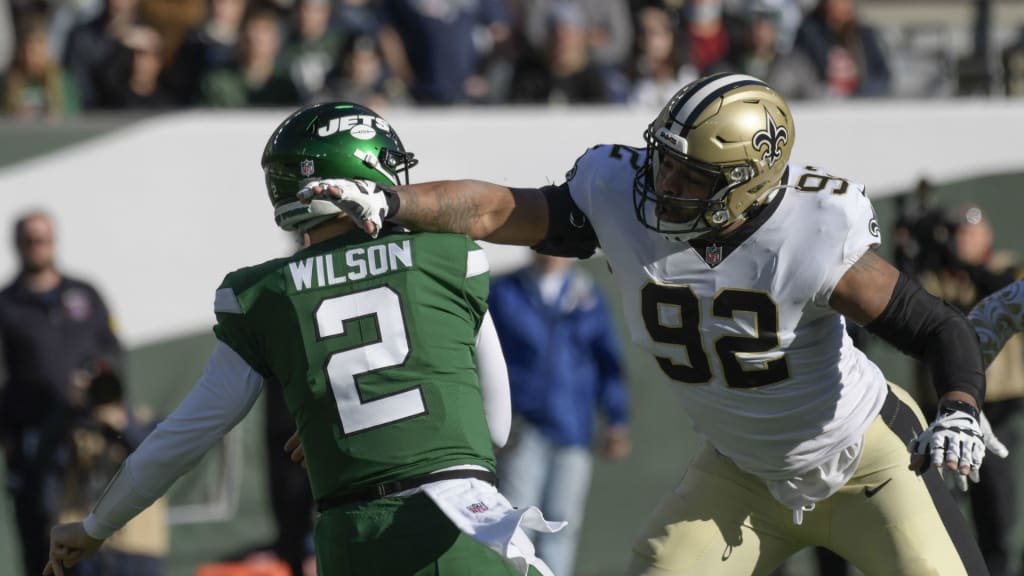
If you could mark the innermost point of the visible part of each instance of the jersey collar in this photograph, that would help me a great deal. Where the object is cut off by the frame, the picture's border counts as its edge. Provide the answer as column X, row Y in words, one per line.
column 713, row 251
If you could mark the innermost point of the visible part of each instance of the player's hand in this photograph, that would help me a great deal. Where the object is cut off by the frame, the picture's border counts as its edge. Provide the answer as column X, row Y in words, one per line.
column 363, row 201
column 294, row 449
column 954, row 440
column 69, row 545
column 617, row 443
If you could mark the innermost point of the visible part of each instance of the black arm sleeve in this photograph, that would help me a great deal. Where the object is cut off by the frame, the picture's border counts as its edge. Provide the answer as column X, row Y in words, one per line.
column 937, row 334
column 570, row 233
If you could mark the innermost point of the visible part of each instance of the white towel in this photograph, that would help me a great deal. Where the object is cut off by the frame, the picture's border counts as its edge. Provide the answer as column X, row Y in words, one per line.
column 479, row 510
column 802, row 492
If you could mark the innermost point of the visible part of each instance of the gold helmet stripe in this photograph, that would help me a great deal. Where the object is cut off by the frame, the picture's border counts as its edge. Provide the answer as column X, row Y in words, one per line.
column 695, row 100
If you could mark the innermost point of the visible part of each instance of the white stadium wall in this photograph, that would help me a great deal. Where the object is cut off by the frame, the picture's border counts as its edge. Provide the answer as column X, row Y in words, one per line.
column 156, row 213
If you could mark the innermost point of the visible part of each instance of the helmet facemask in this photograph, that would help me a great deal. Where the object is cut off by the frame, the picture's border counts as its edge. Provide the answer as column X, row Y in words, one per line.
column 681, row 217
column 391, row 163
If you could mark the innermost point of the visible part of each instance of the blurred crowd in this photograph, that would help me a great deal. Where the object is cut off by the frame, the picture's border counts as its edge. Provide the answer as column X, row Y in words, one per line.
column 66, row 57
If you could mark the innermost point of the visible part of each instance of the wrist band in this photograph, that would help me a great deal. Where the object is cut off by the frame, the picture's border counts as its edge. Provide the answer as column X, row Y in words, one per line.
column 391, row 196
column 949, row 406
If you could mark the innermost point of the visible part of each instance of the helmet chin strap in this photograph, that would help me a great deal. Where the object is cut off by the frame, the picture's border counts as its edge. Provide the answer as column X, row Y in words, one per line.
column 724, row 212
column 767, row 198
column 308, row 225
column 302, row 217
column 774, row 190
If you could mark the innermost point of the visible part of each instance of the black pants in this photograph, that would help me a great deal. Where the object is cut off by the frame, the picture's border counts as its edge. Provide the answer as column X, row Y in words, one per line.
column 290, row 496
column 994, row 499
column 34, row 512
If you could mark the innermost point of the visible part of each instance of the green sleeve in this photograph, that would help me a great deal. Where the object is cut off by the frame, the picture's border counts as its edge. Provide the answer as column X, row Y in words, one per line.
column 232, row 328
column 478, row 280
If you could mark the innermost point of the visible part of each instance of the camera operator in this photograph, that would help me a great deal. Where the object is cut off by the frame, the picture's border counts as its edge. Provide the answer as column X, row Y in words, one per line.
column 103, row 431
column 950, row 252
column 51, row 324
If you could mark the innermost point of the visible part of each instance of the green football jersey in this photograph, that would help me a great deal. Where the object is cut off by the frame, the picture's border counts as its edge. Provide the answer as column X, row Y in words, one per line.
column 373, row 342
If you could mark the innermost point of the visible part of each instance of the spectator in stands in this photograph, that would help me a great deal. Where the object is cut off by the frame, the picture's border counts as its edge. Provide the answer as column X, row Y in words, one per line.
column 658, row 67
column 7, row 36
column 134, row 79
column 172, row 19
column 756, row 52
column 103, row 431
column 706, row 37
column 211, row 45
column 847, row 53
column 1013, row 66
column 564, row 363
column 254, row 79
column 64, row 16
column 563, row 73
column 431, row 46
column 360, row 76
column 311, row 50
column 609, row 34
column 355, row 16
column 92, row 45
column 788, row 16
column 35, row 86
column 969, row 269
column 608, row 28
column 52, row 326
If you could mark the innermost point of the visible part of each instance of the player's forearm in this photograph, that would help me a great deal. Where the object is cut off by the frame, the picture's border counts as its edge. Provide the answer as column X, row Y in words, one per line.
column 997, row 318
column 121, row 501
column 480, row 210
column 219, row 400
column 934, row 332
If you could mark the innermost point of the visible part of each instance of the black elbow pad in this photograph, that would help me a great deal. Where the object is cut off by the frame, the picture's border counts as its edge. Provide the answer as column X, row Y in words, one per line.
column 570, row 233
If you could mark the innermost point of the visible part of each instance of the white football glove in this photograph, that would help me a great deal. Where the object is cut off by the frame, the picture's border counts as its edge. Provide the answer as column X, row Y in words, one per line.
column 363, row 200
column 954, row 436
column 992, row 444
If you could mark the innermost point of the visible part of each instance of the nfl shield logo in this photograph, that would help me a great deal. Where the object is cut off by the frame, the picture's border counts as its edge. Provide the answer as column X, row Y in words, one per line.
column 713, row 254
column 306, row 168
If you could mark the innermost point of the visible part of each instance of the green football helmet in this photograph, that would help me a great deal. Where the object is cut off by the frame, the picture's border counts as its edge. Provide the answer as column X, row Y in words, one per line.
column 323, row 141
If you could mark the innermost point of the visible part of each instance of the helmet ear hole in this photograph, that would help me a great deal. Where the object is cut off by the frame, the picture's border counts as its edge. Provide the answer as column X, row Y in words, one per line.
column 740, row 174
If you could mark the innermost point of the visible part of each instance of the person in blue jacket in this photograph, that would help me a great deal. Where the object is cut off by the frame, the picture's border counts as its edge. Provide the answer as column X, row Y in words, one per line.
column 564, row 363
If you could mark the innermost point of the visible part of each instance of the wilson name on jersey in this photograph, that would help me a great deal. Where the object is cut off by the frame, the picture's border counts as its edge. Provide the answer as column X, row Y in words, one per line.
column 373, row 342
column 743, row 326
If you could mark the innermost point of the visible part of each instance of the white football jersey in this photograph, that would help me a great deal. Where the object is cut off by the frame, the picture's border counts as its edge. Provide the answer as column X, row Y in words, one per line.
column 764, row 365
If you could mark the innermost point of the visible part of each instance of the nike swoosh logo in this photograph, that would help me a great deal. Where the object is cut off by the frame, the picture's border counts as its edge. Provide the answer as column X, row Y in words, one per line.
column 869, row 491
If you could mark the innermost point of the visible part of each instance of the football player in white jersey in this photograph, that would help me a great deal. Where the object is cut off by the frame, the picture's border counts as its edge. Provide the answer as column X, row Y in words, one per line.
column 737, row 270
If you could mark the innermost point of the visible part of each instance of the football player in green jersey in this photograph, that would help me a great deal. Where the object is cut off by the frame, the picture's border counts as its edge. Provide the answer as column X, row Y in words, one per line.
column 387, row 360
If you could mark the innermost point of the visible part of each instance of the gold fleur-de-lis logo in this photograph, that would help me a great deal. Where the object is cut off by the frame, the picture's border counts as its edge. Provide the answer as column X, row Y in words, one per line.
column 771, row 139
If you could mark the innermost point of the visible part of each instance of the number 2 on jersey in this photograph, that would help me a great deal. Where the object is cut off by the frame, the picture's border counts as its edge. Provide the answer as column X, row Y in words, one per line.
column 333, row 317
column 672, row 316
